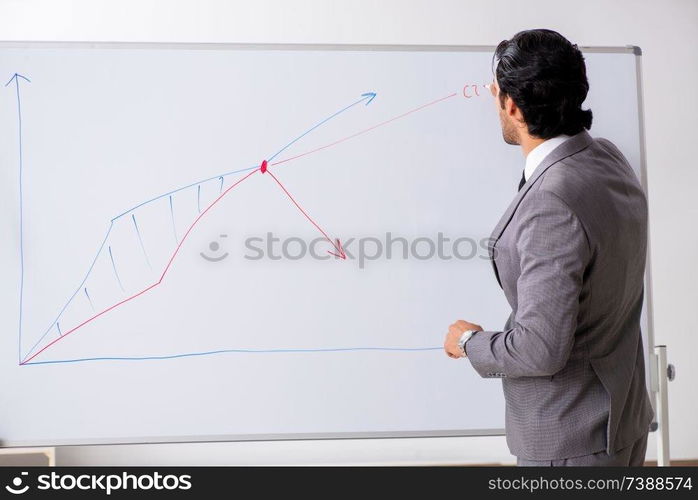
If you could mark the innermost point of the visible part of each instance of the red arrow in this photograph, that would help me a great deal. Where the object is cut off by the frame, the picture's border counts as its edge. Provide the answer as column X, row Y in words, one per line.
column 337, row 246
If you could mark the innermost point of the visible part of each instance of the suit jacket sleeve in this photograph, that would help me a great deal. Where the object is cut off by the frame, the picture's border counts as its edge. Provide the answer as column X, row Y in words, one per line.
column 553, row 250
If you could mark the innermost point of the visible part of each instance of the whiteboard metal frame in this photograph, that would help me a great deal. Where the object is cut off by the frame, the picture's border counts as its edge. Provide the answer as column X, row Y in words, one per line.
column 650, row 356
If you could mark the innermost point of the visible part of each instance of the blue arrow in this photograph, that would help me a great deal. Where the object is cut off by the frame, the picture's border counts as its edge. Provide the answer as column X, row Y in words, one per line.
column 16, row 78
column 368, row 97
column 372, row 96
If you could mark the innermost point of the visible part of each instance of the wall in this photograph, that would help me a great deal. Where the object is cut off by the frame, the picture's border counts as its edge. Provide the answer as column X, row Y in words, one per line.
column 666, row 31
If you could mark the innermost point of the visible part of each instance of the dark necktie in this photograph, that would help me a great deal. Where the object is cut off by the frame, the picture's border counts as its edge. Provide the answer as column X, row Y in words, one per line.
column 523, row 180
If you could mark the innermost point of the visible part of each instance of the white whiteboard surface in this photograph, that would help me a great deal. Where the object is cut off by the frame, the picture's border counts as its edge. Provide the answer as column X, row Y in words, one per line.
column 128, row 334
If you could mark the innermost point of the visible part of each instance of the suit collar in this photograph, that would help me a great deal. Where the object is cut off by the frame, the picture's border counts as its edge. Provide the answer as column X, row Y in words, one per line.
column 538, row 154
column 573, row 145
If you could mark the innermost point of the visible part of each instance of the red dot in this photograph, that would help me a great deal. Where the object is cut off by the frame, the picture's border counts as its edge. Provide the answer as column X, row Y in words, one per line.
column 263, row 168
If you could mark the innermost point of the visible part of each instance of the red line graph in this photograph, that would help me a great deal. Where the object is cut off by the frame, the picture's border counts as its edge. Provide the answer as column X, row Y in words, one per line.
column 169, row 264
column 264, row 169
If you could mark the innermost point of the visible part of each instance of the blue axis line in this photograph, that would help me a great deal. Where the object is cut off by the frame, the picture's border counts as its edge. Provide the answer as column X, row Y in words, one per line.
column 228, row 351
column 16, row 78
column 368, row 97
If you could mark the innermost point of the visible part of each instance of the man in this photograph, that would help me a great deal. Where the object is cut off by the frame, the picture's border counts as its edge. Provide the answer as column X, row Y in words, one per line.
column 569, row 253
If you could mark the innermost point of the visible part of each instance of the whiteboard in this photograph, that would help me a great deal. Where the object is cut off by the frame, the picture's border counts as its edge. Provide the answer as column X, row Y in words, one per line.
column 218, row 242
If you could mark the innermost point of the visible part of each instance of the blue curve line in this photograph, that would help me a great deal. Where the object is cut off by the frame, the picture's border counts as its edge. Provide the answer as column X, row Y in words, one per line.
column 227, row 351
column 219, row 176
column 16, row 78
column 368, row 95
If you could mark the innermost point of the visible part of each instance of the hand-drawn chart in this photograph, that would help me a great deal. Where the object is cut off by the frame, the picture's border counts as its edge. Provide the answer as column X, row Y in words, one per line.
column 156, row 258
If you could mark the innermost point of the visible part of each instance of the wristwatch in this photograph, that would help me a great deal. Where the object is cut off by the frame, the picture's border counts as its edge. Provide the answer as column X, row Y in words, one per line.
column 465, row 336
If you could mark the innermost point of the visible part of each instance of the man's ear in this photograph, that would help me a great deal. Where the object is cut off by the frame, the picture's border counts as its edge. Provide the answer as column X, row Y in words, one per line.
column 514, row 112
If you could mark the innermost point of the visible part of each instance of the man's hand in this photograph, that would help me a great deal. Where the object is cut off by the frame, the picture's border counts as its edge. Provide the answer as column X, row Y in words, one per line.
column 453, row 336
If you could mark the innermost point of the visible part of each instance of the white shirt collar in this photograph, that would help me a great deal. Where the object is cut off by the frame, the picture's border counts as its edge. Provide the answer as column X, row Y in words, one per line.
column 538, row 154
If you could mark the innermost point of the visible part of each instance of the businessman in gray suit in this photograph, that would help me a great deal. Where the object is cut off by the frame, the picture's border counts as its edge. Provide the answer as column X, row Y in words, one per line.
column 569, row 254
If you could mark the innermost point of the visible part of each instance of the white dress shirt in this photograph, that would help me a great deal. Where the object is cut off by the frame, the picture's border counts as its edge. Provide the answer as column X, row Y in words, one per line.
column 538, row 154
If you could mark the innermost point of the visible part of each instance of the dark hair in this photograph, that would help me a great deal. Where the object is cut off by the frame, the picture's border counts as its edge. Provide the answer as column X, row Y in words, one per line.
column 545, row 76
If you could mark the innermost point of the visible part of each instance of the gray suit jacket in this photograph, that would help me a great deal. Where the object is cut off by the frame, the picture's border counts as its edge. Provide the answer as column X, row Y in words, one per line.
column 569, row 253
